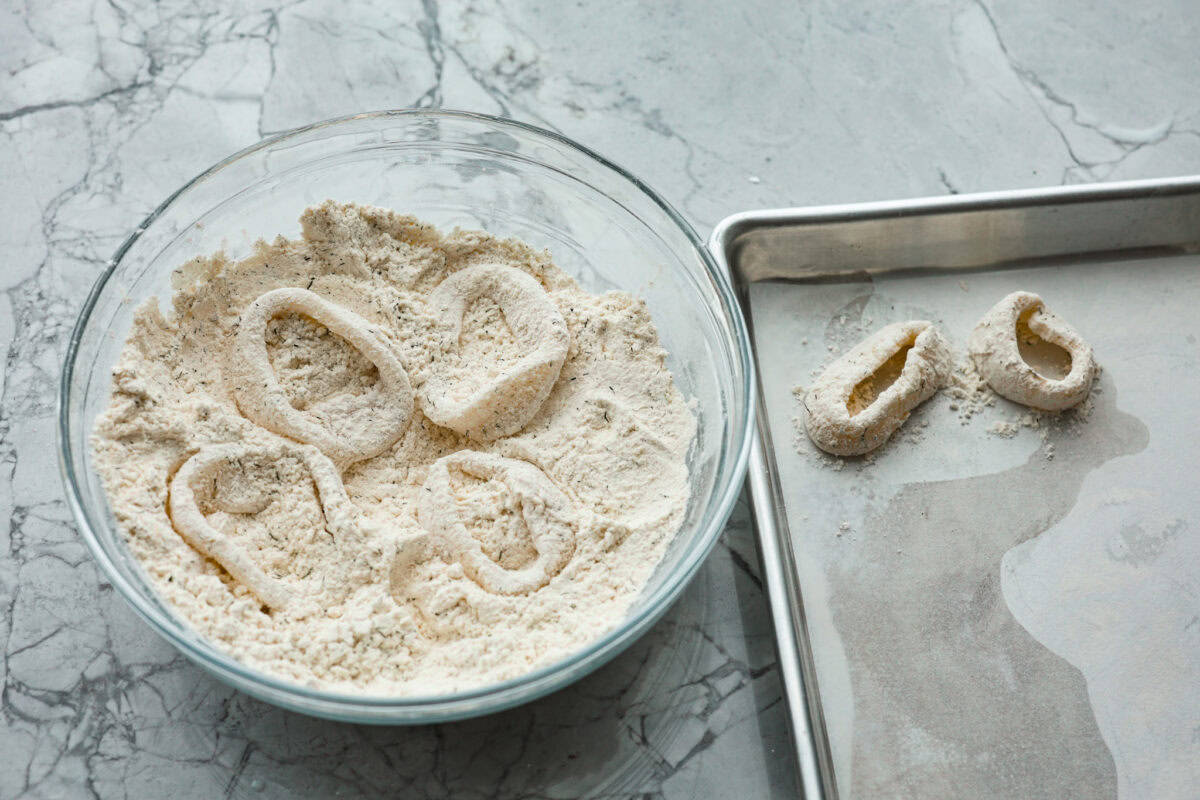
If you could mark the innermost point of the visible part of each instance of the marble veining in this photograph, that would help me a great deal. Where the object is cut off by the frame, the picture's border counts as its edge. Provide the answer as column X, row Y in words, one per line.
column 108, row 105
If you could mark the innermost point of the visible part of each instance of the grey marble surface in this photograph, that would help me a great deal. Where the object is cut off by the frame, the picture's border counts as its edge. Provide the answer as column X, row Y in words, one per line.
column 107, row 105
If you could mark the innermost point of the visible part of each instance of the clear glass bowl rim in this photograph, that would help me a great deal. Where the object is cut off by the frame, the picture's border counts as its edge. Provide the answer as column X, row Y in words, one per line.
column 443, row 707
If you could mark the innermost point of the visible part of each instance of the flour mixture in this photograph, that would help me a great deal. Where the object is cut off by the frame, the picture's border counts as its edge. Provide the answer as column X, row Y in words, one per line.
column 387, row 460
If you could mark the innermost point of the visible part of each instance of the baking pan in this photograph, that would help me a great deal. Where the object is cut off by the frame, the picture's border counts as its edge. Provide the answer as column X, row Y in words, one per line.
column 963, row 612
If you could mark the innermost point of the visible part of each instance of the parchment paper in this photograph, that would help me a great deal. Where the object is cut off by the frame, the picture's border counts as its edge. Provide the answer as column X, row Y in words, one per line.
column 1005, row 616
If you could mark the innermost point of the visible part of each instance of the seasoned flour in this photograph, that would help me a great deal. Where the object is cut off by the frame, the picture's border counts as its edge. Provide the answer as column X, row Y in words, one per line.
column 388, row 460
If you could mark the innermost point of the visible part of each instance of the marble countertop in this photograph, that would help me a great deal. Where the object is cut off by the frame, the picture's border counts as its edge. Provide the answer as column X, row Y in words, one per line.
column 108, row 105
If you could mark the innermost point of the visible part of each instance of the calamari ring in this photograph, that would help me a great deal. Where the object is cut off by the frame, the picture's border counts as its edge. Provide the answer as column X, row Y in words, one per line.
column 995, row 347
column 547, row 512
column 196, row 476
column 504, row 405
column 372, row 422
column 849, row 411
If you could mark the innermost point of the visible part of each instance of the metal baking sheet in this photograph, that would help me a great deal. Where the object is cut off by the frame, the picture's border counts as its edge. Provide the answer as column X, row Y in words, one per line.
column 995, row 604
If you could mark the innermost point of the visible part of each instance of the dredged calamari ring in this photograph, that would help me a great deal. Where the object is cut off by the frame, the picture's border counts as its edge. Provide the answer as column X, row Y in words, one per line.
column 504, row 405
column 378, row 422
column 547, row 512
column 995, row 349
column 196, row 475
column 829, row 418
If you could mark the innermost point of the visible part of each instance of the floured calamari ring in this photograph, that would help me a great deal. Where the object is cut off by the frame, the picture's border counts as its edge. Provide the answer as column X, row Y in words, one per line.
column 1018, row 322
column 866, row 395
column 369, row 424
column 504, row 405
column 197, row 475
column 547, row 512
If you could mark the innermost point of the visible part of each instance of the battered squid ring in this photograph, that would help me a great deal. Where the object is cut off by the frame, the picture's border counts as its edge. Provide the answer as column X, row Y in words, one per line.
column 846, row 416
column 376, row 422
column 197, row 474
column 995, row 348
column 547, row 512
column 503, row 406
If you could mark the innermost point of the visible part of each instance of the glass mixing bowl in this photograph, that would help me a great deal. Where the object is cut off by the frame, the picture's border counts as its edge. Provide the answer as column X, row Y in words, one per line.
column 602, row 225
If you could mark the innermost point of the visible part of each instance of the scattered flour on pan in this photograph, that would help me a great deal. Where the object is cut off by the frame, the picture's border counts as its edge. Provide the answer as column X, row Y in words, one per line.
column 1049, row 425
column 296, row 503
column 1004, row 429
column 968, row 392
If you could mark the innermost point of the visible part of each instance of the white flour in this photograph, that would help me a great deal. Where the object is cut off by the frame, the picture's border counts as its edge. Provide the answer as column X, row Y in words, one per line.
column 344, row 543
